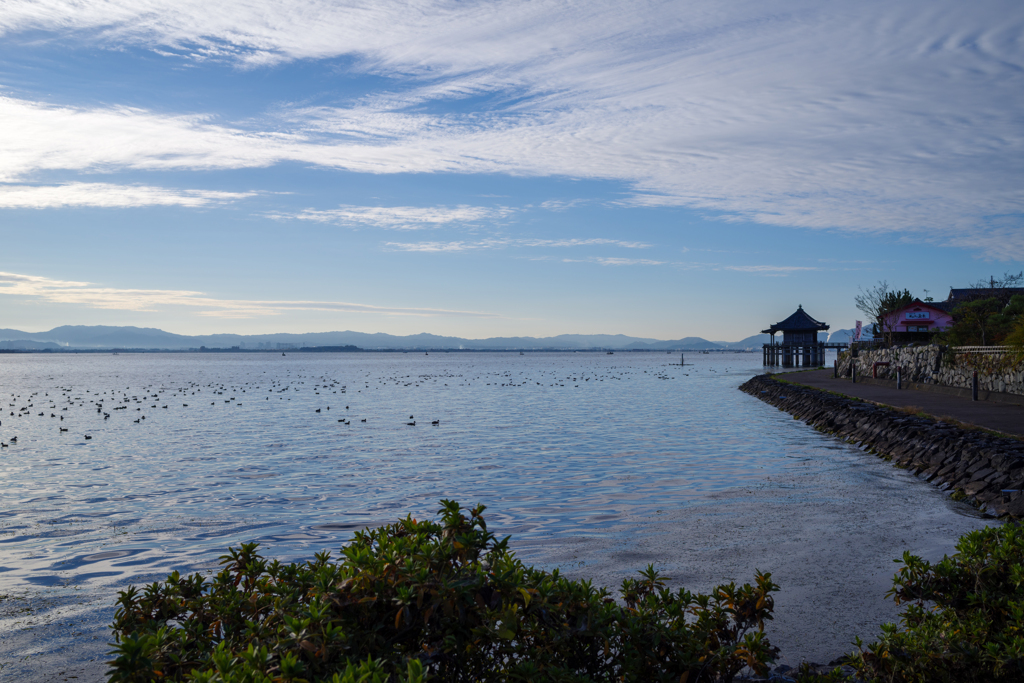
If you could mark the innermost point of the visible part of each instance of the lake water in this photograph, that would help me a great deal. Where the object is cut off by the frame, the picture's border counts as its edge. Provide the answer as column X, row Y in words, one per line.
column 191, row 453
column 202, row 451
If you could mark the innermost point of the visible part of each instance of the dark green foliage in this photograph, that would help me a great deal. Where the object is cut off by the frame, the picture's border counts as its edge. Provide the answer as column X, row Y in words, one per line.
column 433, row 601
column 965, row 616
column 1012, row 321
column 986, row 321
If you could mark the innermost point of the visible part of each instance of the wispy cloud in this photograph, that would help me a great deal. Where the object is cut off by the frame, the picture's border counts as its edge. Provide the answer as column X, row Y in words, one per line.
column 868, row 117
column 401, row 217
column 770, row 270
column 106, row 195
column 615, row 261
column 561, row 204
column 92, row 296
column 505, row 243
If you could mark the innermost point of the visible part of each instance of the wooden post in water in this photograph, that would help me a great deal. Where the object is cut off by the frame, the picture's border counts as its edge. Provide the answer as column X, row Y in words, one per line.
column 682, row 359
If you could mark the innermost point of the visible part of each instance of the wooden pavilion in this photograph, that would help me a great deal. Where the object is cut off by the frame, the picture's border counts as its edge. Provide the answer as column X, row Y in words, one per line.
column 799, row 342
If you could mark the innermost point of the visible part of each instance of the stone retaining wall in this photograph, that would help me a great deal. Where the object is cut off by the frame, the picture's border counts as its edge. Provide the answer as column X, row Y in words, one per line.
column 939, row 365
column 975, row 465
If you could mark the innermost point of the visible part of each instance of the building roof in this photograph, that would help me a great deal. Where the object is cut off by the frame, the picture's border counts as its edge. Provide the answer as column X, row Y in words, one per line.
column 943, row 306
column 959, row 296
column 798, row 322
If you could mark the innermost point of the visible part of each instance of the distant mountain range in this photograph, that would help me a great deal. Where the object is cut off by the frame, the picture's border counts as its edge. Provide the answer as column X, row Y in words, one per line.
column 104, row 337
column 844, row 336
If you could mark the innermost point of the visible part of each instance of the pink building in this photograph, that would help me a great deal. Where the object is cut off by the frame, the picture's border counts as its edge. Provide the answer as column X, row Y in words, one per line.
column 920, row 316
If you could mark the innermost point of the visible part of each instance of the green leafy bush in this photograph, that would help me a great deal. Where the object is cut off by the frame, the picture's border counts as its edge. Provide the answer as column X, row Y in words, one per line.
column 986, row 321
column 437, row 601
column 964, row 620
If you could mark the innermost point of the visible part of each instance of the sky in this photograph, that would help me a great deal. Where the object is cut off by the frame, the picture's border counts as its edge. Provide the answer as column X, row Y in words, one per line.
column 501, row 168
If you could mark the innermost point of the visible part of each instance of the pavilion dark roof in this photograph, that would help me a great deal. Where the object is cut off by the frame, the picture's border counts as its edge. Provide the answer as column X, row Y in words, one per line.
column 797, row 322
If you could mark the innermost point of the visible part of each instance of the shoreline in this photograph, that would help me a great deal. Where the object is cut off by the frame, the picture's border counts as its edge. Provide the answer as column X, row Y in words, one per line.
column 982, row 467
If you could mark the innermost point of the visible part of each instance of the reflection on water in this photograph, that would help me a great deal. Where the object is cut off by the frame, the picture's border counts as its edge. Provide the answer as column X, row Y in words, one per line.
column 133, row 465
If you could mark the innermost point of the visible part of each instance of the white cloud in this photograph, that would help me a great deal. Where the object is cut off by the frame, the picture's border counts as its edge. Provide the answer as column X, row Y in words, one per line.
column 436, row 247
column 770, row 270
column 91, row 296
column 869, row 117
column 561, row 204
column 504, row 243
column 594, row 241
column 615, row 261
column 106, row 195
column 401, row 217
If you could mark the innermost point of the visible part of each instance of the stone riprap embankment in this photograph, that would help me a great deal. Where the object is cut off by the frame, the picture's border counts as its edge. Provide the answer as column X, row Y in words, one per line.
column 944, row 366
column 976, row 466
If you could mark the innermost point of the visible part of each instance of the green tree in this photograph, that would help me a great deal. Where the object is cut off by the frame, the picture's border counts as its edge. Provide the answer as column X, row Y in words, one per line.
column 985, row 321
column 878, row 302
column 1002, row 324
column 1014, row 324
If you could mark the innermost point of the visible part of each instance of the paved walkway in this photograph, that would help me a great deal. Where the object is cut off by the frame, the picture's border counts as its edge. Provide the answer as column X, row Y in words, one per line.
column 1000, row 417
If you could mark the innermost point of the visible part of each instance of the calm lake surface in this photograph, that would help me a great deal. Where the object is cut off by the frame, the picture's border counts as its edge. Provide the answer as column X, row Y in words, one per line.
column 203, row 451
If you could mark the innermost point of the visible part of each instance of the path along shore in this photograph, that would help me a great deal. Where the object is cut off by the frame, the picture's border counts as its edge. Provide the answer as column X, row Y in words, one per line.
column 1005, row 415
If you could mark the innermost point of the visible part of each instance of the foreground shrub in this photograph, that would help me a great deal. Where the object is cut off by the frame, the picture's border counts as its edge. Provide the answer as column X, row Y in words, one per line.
column 964, row 620
column 438, row 601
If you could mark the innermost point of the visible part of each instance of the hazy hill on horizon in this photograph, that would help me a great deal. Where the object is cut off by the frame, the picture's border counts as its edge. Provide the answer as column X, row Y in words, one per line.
column 128, row 337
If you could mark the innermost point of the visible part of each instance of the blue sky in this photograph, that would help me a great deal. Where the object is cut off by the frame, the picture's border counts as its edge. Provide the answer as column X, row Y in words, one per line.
column 658, row 169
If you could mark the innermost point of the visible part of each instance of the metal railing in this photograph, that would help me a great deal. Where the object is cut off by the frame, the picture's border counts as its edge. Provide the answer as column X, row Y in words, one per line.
column 981, row 349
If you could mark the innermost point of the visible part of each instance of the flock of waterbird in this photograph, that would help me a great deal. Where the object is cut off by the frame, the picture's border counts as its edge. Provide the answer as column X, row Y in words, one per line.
column 159, row 397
